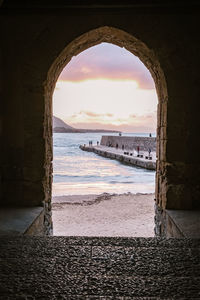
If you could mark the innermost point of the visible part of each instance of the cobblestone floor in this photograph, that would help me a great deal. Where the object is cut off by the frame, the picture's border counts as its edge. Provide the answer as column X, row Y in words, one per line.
column 99, row 268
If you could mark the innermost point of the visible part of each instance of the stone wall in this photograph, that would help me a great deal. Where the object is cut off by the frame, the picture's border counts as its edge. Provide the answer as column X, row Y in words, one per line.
column 129, row 142
column 176, row 223
column 1, row 120
column 37, row 228
column 166, row 41
column 164, row 225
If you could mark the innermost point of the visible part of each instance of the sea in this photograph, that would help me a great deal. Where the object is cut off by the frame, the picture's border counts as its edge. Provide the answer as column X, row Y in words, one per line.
column 77, row 172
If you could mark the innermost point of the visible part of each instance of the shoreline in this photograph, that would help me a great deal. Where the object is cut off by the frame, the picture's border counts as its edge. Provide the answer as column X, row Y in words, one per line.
column 128, row 215
column 80, row 199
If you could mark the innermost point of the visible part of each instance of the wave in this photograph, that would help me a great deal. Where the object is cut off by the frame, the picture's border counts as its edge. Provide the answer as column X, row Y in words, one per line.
column 121, row 182
column 87, row 172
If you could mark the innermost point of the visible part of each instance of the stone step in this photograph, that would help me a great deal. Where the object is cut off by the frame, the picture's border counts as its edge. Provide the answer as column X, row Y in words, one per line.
column 99, row 268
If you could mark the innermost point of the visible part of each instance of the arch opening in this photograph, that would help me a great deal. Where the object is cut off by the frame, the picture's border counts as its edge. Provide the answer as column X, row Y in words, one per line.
column 133, row 45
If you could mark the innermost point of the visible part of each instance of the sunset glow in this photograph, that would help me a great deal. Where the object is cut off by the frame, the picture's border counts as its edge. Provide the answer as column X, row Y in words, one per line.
column 106, row 87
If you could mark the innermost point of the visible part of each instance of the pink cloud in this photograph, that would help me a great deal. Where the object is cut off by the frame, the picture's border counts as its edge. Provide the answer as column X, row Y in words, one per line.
column 133, row 116
column 90, row 114
column 94, row 115
column 107, row 61
column 145, row 123
column 123, row 127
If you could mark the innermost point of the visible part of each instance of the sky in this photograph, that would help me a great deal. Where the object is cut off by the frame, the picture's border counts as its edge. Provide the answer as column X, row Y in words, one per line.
column 106, row 87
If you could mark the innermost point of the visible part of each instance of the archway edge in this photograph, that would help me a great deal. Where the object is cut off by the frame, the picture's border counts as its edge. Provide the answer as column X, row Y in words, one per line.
column 147, row 56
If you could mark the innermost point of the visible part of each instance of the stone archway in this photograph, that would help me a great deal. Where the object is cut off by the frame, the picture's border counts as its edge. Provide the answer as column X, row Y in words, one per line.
column 147, row 56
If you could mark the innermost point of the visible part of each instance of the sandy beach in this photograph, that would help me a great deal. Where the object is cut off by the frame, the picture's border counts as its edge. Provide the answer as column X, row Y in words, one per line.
column 128, row 215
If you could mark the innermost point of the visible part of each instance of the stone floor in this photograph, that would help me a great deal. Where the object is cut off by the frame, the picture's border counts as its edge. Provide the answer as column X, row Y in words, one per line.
column 99, row 268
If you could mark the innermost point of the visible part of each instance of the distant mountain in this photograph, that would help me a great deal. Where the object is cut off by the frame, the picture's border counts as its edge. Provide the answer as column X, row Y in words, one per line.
column 60, row 126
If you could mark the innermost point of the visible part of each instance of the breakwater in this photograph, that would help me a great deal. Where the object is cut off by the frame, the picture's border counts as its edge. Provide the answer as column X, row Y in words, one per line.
column 129, row 142
column 145, row 161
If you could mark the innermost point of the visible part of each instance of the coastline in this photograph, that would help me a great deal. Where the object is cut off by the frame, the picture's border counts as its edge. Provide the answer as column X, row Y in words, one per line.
column 128, row 215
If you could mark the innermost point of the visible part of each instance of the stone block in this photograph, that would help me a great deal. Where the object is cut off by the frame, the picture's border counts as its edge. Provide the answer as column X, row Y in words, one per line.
column 178, row 197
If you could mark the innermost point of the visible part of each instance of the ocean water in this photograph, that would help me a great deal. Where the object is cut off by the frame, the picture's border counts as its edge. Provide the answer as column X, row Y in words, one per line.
column 78, row 172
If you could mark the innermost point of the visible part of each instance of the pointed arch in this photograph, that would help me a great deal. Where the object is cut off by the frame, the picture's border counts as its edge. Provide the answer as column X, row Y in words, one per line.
column 146, row 55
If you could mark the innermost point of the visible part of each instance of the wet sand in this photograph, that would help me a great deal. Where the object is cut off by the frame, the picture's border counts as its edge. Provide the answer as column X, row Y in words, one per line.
column 128, row 215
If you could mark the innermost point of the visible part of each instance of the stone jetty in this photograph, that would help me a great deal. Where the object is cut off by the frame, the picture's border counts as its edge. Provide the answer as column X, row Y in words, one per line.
column 124, row 156
column 132, row 150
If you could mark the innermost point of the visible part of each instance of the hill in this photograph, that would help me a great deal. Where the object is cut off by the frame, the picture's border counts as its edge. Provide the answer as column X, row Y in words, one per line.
column 60, row 126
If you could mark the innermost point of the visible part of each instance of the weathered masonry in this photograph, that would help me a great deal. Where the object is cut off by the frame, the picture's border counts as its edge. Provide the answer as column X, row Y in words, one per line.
column 38, row 40
column 129, row 142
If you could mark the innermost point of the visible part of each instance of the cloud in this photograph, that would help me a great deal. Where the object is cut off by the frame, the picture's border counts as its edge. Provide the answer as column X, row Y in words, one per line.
column 134, row 123
column 133, row 116
column 95, row 115
column 134, row 128
column 107, row 61
column 90, row 114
